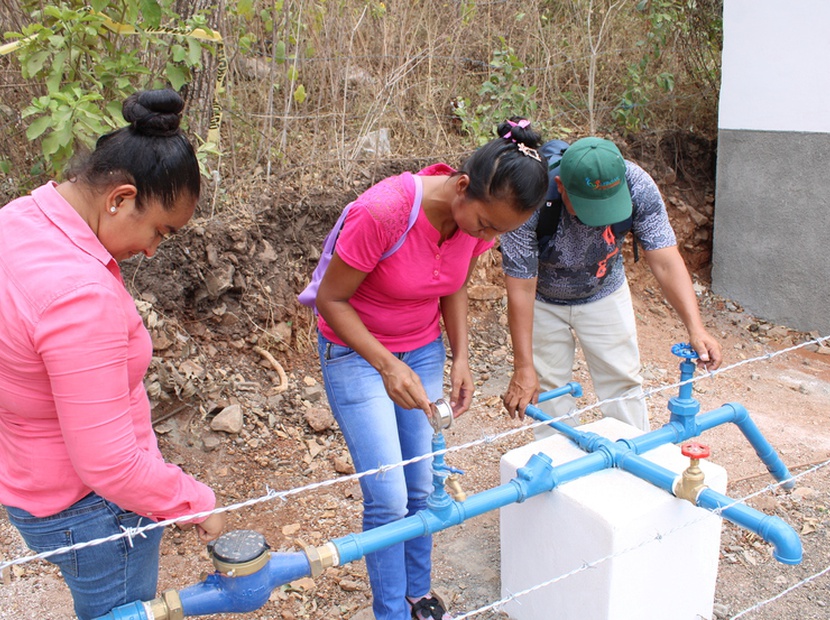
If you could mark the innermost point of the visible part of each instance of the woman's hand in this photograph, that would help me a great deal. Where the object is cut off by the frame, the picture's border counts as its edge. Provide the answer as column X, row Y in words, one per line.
column 212, row 527
column 404, row 385
column 461, row 386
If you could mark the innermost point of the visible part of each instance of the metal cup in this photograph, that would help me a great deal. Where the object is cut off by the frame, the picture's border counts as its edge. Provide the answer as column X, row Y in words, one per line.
column 441, row 415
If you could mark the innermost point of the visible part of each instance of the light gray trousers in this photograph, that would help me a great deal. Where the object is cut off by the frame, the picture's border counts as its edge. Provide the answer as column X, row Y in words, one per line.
column 607, row 333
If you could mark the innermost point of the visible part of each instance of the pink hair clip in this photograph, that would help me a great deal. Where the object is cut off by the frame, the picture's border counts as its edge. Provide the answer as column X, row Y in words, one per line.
column 522, row 123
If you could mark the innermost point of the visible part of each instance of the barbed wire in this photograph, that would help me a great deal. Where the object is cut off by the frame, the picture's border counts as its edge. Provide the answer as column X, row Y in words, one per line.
column 271, row 494
column 487, row 439
column 781, row 594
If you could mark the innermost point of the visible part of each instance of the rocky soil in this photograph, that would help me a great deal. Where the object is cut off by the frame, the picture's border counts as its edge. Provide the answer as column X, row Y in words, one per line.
column 239, row 403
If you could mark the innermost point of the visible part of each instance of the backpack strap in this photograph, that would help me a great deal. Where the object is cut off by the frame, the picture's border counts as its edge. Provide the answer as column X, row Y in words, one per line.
column 551, row 211
column 309, row 294
column 413, row 216
column 621, row 229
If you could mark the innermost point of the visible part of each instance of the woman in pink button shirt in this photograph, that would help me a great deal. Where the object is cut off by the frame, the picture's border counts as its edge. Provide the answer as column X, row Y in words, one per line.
column 380, row 343
column 78, row 457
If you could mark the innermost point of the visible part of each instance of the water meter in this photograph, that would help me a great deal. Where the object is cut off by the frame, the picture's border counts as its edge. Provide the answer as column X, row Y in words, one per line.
column 239, row 553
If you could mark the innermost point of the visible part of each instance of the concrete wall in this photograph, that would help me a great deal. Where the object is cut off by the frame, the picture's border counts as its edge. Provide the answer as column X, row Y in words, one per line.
column 772, row 211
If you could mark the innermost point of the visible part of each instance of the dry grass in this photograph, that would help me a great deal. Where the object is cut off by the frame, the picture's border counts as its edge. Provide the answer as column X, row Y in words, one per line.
column 398, row 65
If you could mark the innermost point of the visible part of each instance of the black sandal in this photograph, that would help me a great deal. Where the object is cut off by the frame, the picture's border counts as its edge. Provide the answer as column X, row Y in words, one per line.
column 429, row 608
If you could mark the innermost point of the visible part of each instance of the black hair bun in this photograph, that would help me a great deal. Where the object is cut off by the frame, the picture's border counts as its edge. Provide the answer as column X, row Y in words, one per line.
column 524, row 135
column 154, row 112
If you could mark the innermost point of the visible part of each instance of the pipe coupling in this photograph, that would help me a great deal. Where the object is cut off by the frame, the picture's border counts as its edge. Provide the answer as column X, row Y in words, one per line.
column 321, row 558
column 166, row 607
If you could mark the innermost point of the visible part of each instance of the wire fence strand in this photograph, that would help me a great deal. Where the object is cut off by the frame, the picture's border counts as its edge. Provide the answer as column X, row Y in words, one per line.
column 271, row 494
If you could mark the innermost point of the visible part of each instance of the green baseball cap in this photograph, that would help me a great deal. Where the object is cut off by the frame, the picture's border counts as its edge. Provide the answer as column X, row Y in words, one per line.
column 593, row 173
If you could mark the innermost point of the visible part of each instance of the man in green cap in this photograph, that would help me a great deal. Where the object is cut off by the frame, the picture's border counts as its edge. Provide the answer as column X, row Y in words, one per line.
column 572, row 284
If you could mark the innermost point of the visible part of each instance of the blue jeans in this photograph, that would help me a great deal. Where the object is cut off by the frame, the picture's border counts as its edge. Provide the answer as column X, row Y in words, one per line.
column 378, row 432
column 103, row 576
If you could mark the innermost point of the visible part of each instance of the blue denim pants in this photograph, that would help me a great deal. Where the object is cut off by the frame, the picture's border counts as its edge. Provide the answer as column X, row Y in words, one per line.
column 378, row 432
column 103, row 576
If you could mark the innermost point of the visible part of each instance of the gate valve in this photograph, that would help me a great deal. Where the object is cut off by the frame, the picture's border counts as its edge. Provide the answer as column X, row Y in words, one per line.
column 691, row 481
column 684, row 350
column 695, row 450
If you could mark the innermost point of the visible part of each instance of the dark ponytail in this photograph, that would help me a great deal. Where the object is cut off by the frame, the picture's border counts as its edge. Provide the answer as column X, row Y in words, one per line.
column 151, row 153
column 509, row 167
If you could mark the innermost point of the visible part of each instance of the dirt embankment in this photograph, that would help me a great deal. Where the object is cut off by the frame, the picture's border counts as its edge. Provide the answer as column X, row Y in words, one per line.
column 230, row 339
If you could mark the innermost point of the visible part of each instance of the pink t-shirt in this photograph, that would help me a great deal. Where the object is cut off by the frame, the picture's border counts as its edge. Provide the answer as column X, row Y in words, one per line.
column 74, row 415
column 399, row 299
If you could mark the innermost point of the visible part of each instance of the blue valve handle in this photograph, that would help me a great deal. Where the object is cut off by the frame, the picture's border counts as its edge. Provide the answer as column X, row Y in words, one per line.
column 684, row 350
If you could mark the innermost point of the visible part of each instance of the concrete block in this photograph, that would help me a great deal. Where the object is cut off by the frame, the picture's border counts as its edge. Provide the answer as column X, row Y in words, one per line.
column 651, row 556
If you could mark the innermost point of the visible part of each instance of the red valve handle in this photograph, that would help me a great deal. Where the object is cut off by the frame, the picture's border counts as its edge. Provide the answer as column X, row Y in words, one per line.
column 694, row 450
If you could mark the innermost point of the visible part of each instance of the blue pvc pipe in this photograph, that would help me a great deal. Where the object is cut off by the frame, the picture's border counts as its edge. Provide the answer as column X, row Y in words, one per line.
column 783, row 538
column 537, row 477
column 573, row 388
column 220, row 593
column 624, row 454
column 741, row 418
column 130, row 611
column 786, row 543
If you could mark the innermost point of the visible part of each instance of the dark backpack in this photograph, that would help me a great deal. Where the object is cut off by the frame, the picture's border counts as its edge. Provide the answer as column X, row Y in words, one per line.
column 551, row 211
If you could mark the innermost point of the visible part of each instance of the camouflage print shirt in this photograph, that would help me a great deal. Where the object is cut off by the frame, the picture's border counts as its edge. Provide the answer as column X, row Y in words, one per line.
column 582, row 264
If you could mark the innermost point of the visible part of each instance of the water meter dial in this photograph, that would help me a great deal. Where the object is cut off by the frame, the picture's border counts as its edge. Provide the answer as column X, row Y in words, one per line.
column 684, row 350
column 241, row 552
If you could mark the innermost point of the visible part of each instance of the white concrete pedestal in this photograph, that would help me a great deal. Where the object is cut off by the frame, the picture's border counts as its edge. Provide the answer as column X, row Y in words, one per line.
column 615, row 517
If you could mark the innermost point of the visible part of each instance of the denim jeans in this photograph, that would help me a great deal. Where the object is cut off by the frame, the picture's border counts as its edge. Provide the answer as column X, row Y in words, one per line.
column 378, row 432
column 103, row 576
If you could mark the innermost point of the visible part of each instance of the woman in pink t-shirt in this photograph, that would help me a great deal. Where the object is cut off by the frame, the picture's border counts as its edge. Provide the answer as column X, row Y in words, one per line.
column 380, row 344
column 78, row 457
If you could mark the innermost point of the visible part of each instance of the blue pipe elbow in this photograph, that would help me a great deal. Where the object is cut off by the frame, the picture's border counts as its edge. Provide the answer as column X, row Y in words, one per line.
column 573, row 388
column 786, row 543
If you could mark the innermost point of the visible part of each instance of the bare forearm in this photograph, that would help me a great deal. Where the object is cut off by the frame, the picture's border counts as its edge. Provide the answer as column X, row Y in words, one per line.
column 676, row 284
column 454, row 309
column 671, row 273
column 521, row 295
column 524, row 384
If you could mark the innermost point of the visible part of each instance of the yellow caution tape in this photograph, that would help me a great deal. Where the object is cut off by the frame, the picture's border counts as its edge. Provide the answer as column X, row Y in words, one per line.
column 196, row 33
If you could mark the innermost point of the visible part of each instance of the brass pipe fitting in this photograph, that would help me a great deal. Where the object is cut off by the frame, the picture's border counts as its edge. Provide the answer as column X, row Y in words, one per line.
column 453, row 486
column 321, row 558
column 691, row 482
column 166, row 607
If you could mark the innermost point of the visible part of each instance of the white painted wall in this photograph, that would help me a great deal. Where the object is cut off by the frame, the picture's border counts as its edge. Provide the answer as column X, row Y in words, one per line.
column 776, row 56
column 769, row 247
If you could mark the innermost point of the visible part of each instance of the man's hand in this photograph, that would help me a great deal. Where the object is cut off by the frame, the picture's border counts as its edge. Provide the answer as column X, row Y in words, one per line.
column 522, row 390
column 709, row 352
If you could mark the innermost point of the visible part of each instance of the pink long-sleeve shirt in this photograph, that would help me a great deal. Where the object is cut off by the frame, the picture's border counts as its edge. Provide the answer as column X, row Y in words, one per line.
column 74, row 415
column 398, row 301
